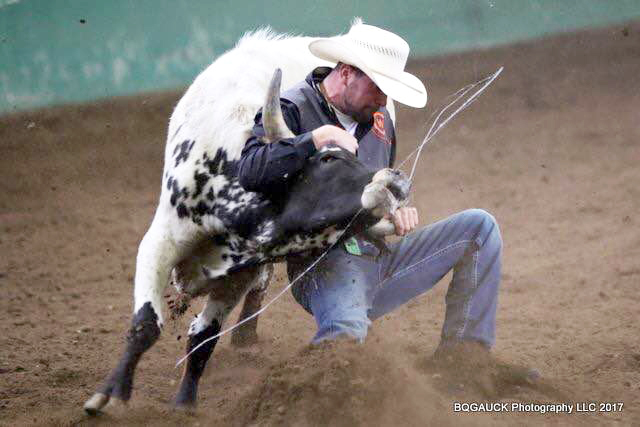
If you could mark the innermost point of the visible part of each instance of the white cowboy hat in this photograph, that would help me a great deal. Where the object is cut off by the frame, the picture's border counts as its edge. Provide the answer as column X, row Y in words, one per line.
column 381, row 55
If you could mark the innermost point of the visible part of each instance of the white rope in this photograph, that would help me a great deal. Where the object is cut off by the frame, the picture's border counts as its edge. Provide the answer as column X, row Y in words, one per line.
column 459, row 95
column 433, row 130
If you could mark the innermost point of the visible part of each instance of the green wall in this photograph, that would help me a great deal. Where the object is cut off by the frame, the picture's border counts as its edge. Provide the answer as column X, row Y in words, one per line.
column 57, row 51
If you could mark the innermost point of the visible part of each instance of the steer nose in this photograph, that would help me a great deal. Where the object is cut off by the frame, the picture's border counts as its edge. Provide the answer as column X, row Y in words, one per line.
column 400, row 185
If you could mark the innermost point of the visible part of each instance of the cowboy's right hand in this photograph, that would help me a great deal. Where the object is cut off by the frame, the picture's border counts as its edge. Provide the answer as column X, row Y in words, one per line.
column 329, row 134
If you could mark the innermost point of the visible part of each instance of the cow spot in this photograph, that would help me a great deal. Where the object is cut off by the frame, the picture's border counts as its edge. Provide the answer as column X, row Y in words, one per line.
column 182, row 211
column 177, row 193
column 220, row 165
column 181, row 151
column 201, row 180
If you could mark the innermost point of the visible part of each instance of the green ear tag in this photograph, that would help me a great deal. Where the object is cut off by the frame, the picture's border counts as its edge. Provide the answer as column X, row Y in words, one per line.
column 351, row 245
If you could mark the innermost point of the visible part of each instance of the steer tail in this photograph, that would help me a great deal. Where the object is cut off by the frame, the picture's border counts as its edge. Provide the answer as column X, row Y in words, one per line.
column 274, row 125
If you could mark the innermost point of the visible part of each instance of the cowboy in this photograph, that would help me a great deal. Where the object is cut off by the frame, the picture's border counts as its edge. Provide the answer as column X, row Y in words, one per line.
column 354, row 283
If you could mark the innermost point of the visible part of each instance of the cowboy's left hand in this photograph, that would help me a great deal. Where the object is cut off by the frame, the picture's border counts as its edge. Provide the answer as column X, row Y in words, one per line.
column 405, row 220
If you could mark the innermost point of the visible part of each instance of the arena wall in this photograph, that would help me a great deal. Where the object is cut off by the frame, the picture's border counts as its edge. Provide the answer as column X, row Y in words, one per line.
column 54, row 51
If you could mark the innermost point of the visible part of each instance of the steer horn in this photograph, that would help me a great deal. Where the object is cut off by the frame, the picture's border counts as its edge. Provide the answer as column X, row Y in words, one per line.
column 274, row 125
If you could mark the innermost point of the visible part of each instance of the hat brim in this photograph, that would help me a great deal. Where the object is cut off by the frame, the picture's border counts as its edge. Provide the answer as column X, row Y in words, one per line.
column 402, row 87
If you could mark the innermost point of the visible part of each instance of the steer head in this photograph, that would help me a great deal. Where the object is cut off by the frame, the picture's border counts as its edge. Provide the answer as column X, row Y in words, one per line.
column 334, row 185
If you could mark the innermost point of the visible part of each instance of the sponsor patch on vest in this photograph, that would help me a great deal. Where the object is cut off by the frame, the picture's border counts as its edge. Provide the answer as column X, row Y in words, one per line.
column 378, row 127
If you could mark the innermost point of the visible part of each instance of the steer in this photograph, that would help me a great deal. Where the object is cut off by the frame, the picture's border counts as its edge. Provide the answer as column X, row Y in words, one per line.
column 217, row 239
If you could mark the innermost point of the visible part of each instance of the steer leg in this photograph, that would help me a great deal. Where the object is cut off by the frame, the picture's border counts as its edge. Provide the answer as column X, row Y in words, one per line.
column 246, row 333
column 222, row 299
column 157, row 255
column 142, row 335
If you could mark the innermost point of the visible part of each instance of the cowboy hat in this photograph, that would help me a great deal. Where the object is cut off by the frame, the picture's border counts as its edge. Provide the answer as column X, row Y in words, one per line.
column 381, row 55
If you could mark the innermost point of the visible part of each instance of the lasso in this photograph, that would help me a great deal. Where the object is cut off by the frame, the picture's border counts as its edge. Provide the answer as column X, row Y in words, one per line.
column 436, row 126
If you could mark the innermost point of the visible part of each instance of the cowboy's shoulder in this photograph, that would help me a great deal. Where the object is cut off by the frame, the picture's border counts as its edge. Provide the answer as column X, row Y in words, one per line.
column 294, row 92
column 302, row 91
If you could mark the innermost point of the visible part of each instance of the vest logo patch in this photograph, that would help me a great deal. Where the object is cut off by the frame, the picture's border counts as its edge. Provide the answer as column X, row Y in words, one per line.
column 378, row 127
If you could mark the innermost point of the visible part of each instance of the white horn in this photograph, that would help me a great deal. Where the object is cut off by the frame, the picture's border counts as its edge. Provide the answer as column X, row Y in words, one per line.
column 274, row 125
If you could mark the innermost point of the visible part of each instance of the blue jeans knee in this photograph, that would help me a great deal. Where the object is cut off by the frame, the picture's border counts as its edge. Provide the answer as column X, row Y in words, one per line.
column 335, row 329
column 484, row 224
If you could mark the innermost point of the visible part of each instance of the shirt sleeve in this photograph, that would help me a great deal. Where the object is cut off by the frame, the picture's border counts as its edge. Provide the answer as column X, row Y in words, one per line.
column 267, row 167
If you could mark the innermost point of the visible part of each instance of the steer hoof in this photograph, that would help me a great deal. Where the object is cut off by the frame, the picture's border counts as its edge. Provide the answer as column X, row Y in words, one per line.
column 94, row 405
column 186, row 398
column 185, row 402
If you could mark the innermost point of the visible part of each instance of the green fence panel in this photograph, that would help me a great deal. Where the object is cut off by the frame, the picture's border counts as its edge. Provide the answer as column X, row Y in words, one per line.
column 58, row 51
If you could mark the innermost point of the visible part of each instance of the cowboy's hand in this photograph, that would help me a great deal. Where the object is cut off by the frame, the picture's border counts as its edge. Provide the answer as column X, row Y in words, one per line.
column 405, row 220
column 329, row 134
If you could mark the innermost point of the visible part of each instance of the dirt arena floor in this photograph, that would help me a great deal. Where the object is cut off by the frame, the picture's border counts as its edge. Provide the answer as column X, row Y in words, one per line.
column 552, row 149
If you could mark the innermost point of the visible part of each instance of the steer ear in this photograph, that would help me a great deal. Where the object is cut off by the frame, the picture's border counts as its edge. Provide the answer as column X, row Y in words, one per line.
column 274, row 126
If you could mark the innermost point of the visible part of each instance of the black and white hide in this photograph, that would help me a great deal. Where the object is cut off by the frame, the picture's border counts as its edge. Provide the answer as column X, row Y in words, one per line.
column 217, row 240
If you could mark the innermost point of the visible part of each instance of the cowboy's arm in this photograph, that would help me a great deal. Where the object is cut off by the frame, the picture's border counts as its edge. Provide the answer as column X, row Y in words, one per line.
column 265, row 167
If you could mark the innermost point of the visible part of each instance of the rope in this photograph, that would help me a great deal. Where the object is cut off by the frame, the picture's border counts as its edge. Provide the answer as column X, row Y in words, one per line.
column 433, row 130
column 313, row 264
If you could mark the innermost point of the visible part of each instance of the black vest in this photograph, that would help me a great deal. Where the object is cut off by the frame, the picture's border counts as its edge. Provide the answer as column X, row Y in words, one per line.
column 376, row 140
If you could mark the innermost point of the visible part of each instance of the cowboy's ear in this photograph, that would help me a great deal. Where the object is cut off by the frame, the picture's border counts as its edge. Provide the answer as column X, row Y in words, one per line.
column 345, row 72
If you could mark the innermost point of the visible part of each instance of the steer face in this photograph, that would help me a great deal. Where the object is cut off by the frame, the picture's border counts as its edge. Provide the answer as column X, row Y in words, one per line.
column 334, row 186
column 327, row 191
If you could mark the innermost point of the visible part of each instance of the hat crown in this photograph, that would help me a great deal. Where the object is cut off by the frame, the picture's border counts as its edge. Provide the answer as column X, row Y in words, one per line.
column 382, row 50
column 381, row 55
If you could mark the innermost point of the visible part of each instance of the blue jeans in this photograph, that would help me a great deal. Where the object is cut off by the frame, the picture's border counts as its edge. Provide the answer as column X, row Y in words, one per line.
column 345, row 292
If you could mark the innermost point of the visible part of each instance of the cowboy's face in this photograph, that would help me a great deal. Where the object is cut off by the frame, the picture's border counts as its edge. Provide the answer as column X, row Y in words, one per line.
column 362, row 97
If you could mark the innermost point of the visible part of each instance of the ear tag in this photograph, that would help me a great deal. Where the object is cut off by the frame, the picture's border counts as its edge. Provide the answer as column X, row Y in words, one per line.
column 351, row 245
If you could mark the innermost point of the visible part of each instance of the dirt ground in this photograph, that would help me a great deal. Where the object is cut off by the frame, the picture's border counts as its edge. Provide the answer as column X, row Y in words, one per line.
column 551, row 149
